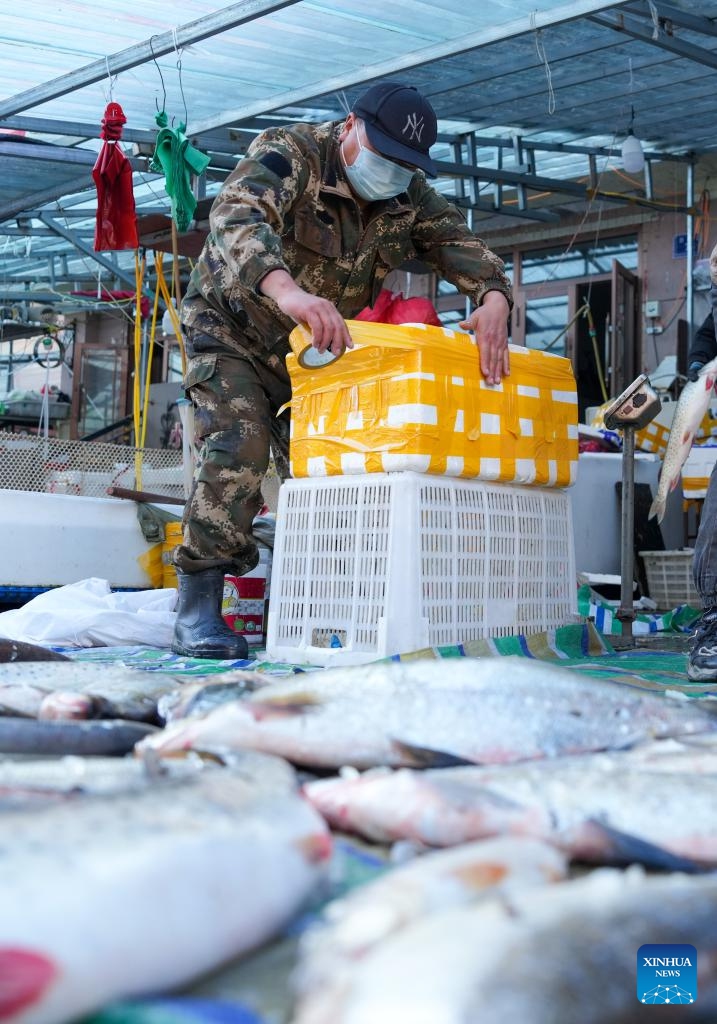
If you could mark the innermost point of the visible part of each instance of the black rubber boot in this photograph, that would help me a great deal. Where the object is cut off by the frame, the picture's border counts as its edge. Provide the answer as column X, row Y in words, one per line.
column 200, row 630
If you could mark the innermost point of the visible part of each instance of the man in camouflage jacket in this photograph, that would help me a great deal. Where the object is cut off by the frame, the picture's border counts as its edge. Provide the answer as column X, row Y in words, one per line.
column 304, row 230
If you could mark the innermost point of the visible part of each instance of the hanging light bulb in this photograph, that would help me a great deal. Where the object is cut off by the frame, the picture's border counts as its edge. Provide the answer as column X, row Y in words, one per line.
column 633, row 159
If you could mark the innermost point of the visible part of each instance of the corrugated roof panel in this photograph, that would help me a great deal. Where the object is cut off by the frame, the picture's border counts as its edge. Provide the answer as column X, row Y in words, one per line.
column 488, row 70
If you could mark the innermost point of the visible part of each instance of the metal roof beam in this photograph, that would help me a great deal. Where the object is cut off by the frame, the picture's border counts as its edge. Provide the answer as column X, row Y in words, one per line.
column 34, row 232
column 632, row 27
column 75, row 129
column 533, row 181
column 666, row 12
column 58, row 154
column 83, row 247
column 156, row 46
column 507, row 211
column 358, row 75
column 48, row 195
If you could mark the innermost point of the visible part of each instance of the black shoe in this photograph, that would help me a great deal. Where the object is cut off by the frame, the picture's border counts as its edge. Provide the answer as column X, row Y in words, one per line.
column 702, row 663
column 200, row 631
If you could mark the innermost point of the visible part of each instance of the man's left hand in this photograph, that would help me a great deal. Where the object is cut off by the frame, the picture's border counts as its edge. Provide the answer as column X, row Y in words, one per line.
column 489, row 323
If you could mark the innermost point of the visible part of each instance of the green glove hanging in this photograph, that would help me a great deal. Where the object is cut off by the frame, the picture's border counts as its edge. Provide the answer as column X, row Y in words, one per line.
column 176, row 158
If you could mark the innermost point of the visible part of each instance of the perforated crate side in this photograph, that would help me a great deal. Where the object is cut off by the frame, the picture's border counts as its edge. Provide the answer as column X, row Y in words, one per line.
column 395, row 562
column 496, row 560
column 330, row 571
column 670, row 581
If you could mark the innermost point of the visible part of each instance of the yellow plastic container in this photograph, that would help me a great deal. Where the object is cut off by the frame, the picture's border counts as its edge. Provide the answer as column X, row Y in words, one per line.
column 172, row 537
column 412, row 397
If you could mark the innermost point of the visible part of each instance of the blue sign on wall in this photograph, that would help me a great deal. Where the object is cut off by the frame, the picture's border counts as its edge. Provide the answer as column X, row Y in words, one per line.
column 679, row 246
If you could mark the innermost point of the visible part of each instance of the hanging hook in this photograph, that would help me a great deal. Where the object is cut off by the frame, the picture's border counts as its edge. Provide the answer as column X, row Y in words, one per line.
column 178, row 51
column 164, row 89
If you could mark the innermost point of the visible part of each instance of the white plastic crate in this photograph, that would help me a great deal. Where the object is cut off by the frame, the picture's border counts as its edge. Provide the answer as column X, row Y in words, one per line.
column 669, row 578
column 385, row 564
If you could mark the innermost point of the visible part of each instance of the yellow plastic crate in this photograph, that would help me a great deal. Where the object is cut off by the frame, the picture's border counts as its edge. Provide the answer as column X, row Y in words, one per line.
column 412, row 397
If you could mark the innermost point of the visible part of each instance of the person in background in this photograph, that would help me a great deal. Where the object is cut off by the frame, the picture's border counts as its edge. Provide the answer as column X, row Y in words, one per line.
column 702, row 659
column 304, row 231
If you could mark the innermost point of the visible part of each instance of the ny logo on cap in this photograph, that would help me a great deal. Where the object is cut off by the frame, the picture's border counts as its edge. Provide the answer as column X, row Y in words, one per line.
column 414, row 124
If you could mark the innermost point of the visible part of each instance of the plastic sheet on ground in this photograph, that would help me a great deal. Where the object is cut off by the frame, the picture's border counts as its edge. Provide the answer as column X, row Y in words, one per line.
column 604, row 615
column 89, row 614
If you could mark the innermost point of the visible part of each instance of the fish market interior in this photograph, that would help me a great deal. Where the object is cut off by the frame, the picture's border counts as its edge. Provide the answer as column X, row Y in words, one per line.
column 358, row 609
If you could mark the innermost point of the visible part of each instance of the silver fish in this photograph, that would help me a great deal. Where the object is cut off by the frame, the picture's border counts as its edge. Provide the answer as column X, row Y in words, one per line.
column 110, row 737
column 691, row 408
column 117, row 896
column 353, row 926
column 601, row 808
column 545, row 954
column 81, row 690
column 198, row 698
column 55, row 779
column 432, row 712
column 16, row 650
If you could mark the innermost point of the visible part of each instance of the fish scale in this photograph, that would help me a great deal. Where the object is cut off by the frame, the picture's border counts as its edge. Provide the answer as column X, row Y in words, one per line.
column 116, row 895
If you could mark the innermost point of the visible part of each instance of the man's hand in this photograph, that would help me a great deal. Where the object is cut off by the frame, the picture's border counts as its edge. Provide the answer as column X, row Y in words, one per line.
column 321, row 317
column 489, row 323
column 693, row 370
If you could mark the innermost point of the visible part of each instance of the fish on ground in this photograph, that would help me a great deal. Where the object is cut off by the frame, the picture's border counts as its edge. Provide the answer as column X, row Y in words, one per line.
column 353, row 926
column 199, row 698
column 430, row 712
column 109, row 737
column 54, row 779
column 18, row 650
column 598, row 808
column 76, row 690
column 691, row 408
column 117, row 896
column 542, row 954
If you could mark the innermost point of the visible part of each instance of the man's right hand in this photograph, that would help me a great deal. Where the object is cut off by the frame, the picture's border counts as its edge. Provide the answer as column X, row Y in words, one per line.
column 328, row 328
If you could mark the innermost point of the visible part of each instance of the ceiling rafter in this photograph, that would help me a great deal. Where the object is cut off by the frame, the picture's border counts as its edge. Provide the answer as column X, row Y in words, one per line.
column 150, row 49
column 412, row 59
column 645, row 31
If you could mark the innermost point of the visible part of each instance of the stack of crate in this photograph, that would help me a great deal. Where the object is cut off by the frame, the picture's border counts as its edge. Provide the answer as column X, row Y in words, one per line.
column 427, row 507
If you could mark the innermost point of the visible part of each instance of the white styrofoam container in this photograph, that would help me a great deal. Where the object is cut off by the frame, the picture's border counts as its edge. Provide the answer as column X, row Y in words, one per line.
column 391, row 563
column 54, row 539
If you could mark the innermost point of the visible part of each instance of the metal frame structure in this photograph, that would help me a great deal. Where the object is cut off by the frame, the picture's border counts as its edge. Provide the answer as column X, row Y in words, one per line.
column 502, row 152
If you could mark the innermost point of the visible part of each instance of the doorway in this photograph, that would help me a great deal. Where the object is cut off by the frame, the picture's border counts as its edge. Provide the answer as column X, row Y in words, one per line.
column 591, row 353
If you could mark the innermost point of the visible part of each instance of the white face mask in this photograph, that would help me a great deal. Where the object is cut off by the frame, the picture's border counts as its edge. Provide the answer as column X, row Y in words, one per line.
column 374, row 177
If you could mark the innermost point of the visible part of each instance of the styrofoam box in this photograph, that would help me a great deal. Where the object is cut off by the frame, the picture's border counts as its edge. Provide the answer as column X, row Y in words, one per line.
column 365, row 567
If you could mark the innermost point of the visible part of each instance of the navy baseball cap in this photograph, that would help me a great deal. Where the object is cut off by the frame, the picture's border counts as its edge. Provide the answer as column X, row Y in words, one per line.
column 400, row 123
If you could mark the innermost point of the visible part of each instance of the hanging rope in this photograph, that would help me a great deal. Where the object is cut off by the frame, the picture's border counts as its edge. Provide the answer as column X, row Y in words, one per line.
column 139, row 268
column 148, row 367
column 173, row 314
column 542, row 56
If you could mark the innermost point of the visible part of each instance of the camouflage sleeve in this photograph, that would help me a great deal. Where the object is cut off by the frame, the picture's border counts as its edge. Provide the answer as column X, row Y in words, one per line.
column 444, row 241
column 247, row 216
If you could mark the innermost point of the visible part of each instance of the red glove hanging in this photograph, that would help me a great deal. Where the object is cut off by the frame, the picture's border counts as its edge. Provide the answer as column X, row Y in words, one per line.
column 116, row 221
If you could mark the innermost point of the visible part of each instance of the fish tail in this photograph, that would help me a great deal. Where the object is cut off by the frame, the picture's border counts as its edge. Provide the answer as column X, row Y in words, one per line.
column 657, row 508
column 607, row 845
